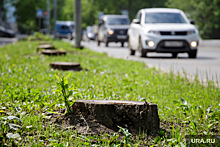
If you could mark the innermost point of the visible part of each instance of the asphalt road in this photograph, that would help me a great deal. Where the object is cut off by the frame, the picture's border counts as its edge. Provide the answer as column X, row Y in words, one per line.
column 206, row 66
column 4, row 41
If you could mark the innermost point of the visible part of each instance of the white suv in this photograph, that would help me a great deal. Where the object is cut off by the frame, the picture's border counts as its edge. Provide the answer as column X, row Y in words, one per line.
column 163, row 30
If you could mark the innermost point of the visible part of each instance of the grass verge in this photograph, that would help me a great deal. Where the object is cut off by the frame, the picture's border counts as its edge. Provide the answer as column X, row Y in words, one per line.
column 27, row 95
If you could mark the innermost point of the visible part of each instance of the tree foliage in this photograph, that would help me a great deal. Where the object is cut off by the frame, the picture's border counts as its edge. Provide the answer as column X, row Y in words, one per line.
column 26, row 13
column 205, row 12
column 26, row 10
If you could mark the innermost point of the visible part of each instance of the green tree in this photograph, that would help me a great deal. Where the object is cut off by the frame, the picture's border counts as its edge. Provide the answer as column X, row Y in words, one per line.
column 205, row 12
column 26, row 13
column 26, row 10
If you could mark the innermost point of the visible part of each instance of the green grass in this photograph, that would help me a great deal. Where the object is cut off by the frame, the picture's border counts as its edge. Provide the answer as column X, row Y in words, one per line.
column 27, row 85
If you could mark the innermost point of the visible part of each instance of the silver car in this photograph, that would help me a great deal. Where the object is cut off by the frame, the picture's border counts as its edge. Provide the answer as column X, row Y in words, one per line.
column 163, row 30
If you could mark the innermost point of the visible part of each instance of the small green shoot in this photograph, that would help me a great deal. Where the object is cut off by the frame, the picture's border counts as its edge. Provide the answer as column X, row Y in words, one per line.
column 65, row 91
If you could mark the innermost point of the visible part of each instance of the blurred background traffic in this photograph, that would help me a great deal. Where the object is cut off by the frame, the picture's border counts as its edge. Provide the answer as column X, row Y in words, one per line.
column 26, row 17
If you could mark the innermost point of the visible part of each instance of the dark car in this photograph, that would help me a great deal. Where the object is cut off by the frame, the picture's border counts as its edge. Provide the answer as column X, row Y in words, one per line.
column 113, row 28
column 89, row 33
column 65, row 29
column 6, row 32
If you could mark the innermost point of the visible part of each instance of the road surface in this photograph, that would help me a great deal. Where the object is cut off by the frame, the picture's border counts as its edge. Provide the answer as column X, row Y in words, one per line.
column 206, row 66
column 4, row 40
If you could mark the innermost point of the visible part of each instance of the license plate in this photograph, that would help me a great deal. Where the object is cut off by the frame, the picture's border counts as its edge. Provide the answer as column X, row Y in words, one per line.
column 122, row 37
column 173, row 44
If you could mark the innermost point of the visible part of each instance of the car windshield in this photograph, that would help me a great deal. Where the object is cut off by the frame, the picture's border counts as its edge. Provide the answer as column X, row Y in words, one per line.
column 89, row 29
column 164, row 18
column 117, row 21
column 67, row 27
column 1, row 28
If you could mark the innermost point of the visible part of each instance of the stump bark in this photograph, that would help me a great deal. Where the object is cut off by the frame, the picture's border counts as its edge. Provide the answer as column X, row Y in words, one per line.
column 134, row 115
column 66, row 66
column 53, row 52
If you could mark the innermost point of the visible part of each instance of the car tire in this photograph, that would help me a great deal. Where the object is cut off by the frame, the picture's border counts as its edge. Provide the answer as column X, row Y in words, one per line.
column 122, row 44
column 106, row 44
column 132, row 52
column 174, row 55
column 141, row 49
column 192, row 53
column 69, row 37
column 106, row 41
column 98, row 42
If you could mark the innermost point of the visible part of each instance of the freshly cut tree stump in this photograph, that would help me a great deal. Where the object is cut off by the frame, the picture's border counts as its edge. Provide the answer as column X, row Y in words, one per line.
column 45, row 46
column 53, row 52
column 66, row 66
column 134, row 115
column 44, row 42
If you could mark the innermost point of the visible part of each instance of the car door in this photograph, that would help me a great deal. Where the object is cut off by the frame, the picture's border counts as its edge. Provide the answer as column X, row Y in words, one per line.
column 101, row 31
column 134, row 31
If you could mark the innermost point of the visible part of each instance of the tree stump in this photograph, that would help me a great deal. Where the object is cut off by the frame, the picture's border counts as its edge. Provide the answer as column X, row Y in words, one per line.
column 44, row 42
column 66, row 66
column 45, row 47
column 134, row 115
column 53, row 52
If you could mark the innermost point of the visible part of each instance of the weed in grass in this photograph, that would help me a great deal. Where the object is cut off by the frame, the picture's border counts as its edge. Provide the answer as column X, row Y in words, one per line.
column 65, row 91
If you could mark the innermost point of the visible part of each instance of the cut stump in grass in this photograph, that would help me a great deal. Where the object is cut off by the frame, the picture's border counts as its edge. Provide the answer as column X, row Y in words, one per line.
column 44, row 42
column 45, row 47
column 66, row 66
column 53, row 52
column 134, row 115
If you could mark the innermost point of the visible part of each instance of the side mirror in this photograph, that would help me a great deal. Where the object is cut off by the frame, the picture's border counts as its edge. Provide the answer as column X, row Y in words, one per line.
column 192, row 22
column 136, row 21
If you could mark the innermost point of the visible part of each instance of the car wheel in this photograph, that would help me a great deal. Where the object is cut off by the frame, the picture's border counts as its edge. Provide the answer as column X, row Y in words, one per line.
column 106, row 44
column 69, row 37
column 98, row 42
column 132, row 52
column 122, row 44
column 106, row 41
column 143, row 51
column 192, row 53
column 174, row 55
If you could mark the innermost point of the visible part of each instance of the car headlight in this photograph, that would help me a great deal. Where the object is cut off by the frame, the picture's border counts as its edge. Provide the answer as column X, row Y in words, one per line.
column 110, row 32
column 193, row 43
column 151, row 32
column 191, row 32
column 90, row 35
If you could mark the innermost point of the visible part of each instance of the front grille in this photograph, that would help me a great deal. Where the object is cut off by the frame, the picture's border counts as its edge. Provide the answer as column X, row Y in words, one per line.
column 162, row 48
column 120, row 31
column 173, row 32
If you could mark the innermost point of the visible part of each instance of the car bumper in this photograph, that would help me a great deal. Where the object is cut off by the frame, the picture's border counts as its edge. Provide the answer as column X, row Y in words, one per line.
column 117, row 38
column 161, row 47
column 63, row 35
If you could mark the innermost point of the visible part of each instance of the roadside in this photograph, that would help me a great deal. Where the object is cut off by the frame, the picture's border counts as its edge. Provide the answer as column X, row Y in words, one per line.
column 38, row 99
column 206, row 67
column 4, row 41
